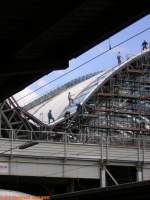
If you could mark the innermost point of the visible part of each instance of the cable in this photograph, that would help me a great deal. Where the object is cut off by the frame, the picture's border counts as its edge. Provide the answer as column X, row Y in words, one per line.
column 86, row 62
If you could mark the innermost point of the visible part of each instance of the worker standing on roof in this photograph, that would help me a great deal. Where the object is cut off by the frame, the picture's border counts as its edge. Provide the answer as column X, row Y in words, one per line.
column 119, row 57
column 50, row 117
column 144, row 45
column 70, row 98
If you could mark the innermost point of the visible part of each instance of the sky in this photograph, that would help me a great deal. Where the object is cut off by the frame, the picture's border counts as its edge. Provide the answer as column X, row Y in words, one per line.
column 104, row 62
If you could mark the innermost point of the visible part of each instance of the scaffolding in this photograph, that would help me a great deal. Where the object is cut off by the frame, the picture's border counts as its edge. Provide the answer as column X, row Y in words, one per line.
column 115, row 118
column 13, row 117
column 119, row 107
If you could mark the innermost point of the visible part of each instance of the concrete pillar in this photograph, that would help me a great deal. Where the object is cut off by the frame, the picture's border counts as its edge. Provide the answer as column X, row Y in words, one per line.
column 139, row 174
column 103, row 177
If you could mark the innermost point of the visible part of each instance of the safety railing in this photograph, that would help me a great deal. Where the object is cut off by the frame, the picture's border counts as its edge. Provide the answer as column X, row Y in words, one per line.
column 103, row 147
column 84, row 138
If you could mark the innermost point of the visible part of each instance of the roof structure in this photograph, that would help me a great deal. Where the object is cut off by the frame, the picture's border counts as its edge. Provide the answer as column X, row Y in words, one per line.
column 60, row 104
column 114, row 102
column 80, row 93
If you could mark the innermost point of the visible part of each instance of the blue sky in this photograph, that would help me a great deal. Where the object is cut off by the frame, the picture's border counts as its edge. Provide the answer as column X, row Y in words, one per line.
column 103, row 62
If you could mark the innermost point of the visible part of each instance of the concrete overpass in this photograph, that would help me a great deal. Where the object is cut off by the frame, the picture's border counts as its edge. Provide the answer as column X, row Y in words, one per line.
column 65, row 159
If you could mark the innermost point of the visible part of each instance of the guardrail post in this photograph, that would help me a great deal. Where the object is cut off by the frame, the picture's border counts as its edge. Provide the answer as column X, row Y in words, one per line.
column 47, row 135
column 31, row 136
column 107, row 140
column 138, row 149
column 65, row 145
column 65, row 153
column 101, row 148
column 11, row 142
column 143, row 144
column 11, row 150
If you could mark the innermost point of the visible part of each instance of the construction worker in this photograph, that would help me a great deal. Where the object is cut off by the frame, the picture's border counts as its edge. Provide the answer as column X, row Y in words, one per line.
column 50, row 117
column 70, row 98
column 144, row 45
column 79, row 108
column 67, row 114
column 119, row 57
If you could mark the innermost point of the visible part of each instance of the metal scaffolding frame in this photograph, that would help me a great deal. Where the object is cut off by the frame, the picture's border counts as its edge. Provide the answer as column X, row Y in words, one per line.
column 116, row 115
column 120, row 106
column 13, row 117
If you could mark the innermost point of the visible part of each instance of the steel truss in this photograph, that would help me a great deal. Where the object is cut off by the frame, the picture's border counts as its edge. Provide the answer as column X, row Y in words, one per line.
column 13, row 117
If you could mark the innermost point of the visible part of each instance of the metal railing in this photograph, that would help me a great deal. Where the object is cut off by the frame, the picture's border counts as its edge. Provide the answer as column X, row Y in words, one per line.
column 103, row 147
column 89, row 138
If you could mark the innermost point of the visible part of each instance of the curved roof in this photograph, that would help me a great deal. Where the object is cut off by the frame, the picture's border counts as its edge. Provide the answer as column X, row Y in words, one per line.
column 80, row 93
column 60, row 103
